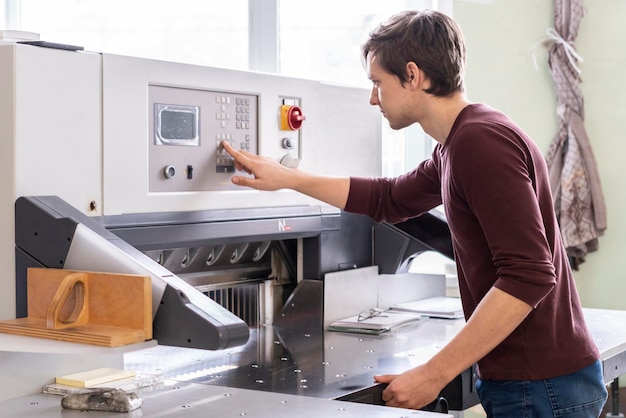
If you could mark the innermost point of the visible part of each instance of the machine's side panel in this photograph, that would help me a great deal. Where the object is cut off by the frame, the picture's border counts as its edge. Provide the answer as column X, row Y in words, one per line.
column 7, row 179
column 340, row 135
column 50, row 137
column 58, row 126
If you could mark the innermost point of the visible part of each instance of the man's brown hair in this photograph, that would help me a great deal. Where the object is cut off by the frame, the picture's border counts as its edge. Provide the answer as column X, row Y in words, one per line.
column 430, row 39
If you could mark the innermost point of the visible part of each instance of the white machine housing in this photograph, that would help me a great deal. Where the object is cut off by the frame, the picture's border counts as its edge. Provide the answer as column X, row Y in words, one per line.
column 77, row 125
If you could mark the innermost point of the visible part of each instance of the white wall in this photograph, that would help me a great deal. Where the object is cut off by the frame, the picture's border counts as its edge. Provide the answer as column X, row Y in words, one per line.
column 500, row 35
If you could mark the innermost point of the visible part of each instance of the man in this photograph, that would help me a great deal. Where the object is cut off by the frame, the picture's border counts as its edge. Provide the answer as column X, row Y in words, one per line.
column 525, row 327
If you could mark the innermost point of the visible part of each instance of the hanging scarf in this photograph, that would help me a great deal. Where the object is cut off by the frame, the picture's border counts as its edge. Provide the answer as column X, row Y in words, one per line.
column 574, row 178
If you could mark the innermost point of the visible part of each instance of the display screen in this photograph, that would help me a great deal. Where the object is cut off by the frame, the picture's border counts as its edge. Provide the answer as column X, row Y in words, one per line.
column 177, row 125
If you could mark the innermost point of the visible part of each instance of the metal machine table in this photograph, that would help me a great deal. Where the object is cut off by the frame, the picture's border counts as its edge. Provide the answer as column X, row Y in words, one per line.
column 334, row 365
column 302, row 371
column 194, row 400
column 329, row 365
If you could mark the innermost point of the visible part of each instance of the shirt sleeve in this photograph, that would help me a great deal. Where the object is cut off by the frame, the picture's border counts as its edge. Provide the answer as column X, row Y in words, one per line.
column 396, row 199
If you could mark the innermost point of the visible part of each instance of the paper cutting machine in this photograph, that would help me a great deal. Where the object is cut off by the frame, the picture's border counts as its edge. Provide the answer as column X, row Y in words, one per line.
column 188, row 255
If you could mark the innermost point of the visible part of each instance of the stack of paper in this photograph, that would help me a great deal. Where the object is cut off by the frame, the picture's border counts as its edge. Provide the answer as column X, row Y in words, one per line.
column 93, row 377
column 378, row 323
column 139, row 383
column 437, row 307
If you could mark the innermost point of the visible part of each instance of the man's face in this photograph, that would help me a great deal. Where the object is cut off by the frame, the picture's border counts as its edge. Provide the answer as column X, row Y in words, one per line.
column 389, row 95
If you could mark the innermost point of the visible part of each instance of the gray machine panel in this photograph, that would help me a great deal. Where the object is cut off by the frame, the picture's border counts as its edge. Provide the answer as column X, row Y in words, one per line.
column 186, row 129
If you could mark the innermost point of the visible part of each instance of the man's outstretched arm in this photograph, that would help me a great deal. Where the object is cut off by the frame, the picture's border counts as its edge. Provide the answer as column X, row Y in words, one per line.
column 270, row 175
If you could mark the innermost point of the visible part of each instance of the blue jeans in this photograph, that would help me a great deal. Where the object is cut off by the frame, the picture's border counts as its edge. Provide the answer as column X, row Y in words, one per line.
column 581, row 394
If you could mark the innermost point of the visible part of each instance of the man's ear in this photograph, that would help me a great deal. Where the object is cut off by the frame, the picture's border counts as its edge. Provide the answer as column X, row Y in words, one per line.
column 413, row 73
column 416, row 77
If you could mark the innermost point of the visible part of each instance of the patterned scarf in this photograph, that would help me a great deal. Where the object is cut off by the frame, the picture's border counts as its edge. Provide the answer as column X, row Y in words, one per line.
column 576, row 187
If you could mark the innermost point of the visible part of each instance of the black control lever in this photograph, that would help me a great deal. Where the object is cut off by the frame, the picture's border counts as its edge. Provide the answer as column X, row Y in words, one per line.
column 438, row 405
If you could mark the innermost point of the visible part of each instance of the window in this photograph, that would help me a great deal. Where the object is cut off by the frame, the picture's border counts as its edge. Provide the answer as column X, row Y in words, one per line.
column 322, row 39
column 204, row 32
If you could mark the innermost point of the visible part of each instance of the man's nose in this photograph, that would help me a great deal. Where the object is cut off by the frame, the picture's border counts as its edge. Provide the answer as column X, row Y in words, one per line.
column 374, row 96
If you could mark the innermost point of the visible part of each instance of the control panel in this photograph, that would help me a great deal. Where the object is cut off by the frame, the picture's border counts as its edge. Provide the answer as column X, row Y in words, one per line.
column 186, row 129
column 163, row 123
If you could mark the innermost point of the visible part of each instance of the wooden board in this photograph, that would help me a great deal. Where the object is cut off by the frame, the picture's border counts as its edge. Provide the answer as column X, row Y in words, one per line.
column 119, row 308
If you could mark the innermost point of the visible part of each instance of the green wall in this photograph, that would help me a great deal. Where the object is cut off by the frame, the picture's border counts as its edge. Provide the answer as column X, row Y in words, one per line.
column 502, row 37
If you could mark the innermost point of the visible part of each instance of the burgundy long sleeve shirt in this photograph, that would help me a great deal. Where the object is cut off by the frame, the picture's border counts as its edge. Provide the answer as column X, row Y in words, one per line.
column 493, row 182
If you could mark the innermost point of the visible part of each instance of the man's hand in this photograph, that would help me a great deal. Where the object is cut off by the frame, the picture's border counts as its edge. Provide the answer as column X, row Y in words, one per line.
column 495, row 317
column 268, row 174
column 413, row 389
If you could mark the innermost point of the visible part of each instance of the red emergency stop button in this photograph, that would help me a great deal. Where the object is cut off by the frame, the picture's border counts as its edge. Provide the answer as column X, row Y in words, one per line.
column 291, row 118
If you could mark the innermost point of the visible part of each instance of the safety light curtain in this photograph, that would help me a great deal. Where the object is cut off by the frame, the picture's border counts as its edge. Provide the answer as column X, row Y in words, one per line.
column 576, row 188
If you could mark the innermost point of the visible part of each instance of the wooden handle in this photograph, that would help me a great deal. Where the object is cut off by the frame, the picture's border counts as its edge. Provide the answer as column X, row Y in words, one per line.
column 77, row 282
